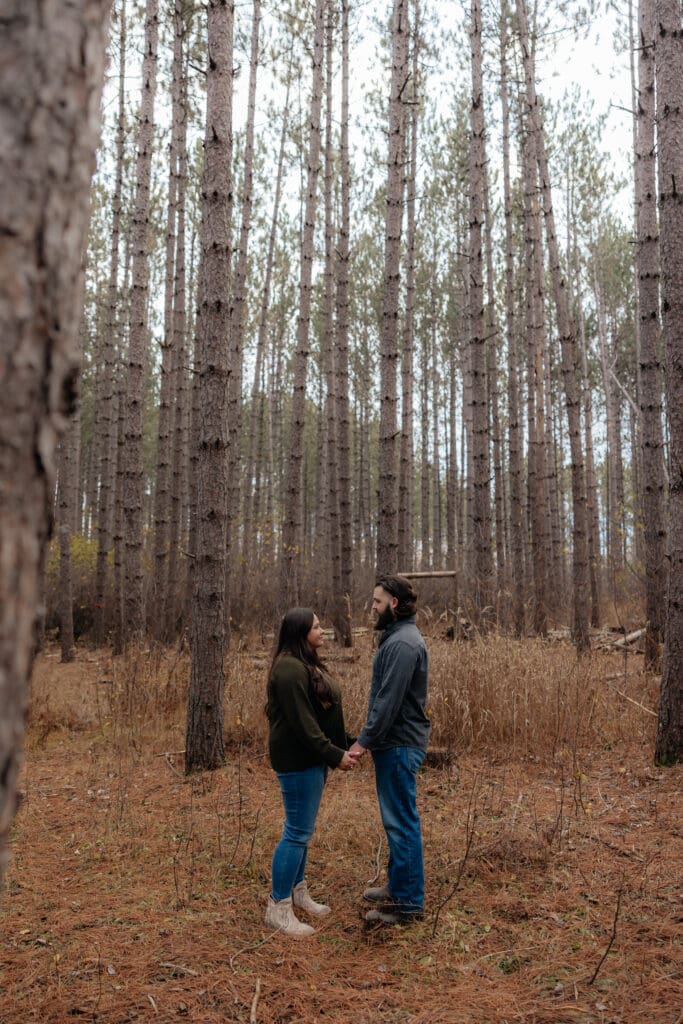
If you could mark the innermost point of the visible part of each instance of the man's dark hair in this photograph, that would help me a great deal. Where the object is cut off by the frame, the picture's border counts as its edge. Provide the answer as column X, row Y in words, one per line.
column 401, row 588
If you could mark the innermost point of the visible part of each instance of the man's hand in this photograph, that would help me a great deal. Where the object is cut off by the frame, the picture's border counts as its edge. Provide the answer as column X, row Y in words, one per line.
column 356, row 751
column 348, row 762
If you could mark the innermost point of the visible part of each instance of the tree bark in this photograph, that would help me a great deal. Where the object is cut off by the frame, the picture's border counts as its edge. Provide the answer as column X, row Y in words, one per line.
column 613, row 508
column 480, row 526
column 162, row 490
column 343, row 616
column 204, row 748
column 406, row 458
column 106, row 422
column 592, row 506
column 176, row 566
column 649, row 347
column 51, row 73
column 387, row 492
column 516, row 554
column 133, row 484
column 67, row 514
column 669, row 78
column 537, row 345
column 329, row 501
column 238, row 310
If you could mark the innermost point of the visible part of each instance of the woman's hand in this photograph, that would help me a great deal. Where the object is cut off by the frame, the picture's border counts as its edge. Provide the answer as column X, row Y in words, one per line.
column 347, row 762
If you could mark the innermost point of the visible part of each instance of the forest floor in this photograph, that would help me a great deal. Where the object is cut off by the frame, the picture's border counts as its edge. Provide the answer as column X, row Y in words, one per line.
column 136, row 894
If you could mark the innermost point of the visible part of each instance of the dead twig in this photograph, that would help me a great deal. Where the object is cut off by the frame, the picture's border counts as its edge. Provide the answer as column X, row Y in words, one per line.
column 180, row 969
column 648, row 711
column 613, row 936
column 248, row 949
column 173, row 768
column 378, row 854
column 254, row 1002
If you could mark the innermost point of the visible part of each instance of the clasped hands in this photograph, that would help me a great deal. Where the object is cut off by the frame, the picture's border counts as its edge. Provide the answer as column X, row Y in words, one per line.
column 351, row 757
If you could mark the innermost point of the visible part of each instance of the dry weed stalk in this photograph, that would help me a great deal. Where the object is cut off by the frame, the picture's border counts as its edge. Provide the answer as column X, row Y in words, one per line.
column 469, row 839
column 613, row 935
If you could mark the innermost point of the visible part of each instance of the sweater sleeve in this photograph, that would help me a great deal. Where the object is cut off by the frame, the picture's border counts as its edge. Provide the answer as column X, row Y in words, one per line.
column 291, row 686
column 397, row 671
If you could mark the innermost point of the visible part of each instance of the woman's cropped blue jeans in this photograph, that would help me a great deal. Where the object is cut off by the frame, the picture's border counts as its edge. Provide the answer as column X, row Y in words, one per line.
column 301, row 795
column 396, row 782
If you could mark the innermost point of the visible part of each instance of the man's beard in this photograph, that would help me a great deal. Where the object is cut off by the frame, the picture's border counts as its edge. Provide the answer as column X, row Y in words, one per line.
column 385, row 618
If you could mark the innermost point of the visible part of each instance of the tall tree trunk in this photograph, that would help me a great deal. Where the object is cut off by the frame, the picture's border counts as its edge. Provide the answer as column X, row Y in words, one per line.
column 292, row 527
column 406, row 458
column 554, row 467
column 593, row 511
column 537, row 498
column 669, row 77
column 649, row 352
column 580, row 629
column 425, row 461
column 492, row 384
column 119, row 441
column 238, row 309
column 516, row 555
column 176, row 566
column 613, row 510
column 452, row 475
column 329, row 500
column 387, row 491
column 204, row 749
column 68, row 512
column 51, row 73
column 106, row 424
column 437, row 539
column 343, row 614
column 162, row 491
column 481, row 503
column 133, row 492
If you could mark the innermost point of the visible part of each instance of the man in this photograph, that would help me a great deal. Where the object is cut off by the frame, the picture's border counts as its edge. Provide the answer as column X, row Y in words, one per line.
column 396, row 733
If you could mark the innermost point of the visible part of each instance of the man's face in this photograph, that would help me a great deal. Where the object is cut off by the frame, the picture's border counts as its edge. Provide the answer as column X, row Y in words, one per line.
column 384, row 605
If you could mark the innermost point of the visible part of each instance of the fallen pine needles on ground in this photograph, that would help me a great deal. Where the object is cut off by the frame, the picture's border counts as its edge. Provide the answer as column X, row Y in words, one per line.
column 553, row 856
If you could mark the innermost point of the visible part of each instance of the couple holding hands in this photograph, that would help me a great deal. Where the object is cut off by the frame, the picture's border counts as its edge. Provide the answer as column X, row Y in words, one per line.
column 307, row 736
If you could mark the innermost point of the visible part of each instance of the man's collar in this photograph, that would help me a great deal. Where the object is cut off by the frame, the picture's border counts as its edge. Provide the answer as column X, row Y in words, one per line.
column 393, row 626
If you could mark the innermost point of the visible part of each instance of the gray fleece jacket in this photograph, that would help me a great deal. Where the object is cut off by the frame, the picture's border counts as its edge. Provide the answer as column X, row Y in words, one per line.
column 398, row 692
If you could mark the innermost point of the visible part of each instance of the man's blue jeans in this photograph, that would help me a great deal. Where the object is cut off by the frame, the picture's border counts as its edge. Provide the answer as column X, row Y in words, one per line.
column 396, row 781
column 301, row 795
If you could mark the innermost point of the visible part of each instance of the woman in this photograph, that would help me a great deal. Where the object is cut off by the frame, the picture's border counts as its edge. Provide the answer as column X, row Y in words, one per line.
column 306, row 737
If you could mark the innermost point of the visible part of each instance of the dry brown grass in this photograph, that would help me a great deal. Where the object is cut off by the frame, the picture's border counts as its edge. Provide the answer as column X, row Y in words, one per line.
column 136, row 894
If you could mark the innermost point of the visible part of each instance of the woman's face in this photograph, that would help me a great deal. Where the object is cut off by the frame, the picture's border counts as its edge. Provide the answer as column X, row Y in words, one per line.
column 315, row 635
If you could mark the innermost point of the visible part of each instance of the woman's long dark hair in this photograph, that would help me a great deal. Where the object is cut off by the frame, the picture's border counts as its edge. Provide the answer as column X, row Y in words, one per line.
column 293, row 639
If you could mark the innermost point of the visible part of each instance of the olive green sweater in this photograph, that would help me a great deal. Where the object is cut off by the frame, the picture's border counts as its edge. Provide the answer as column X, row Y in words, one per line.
column 302, row 733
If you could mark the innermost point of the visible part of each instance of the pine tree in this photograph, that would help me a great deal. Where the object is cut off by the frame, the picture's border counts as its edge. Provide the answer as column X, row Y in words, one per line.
column 669, row 78
column 51, row 58
column 204, row 749
column 387, row 521
column 293, row 525
column 649, row 341
column 133, row 484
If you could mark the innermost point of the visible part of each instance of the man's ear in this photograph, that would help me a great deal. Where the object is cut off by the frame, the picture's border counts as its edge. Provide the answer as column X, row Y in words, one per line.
column 394, row 602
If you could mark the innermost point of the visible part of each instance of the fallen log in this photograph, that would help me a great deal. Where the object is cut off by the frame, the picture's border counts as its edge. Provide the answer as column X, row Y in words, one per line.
column 630, row 638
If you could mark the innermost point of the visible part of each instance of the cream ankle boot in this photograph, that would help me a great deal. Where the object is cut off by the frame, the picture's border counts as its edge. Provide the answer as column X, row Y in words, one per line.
column 280, row 915
column 302, row 899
